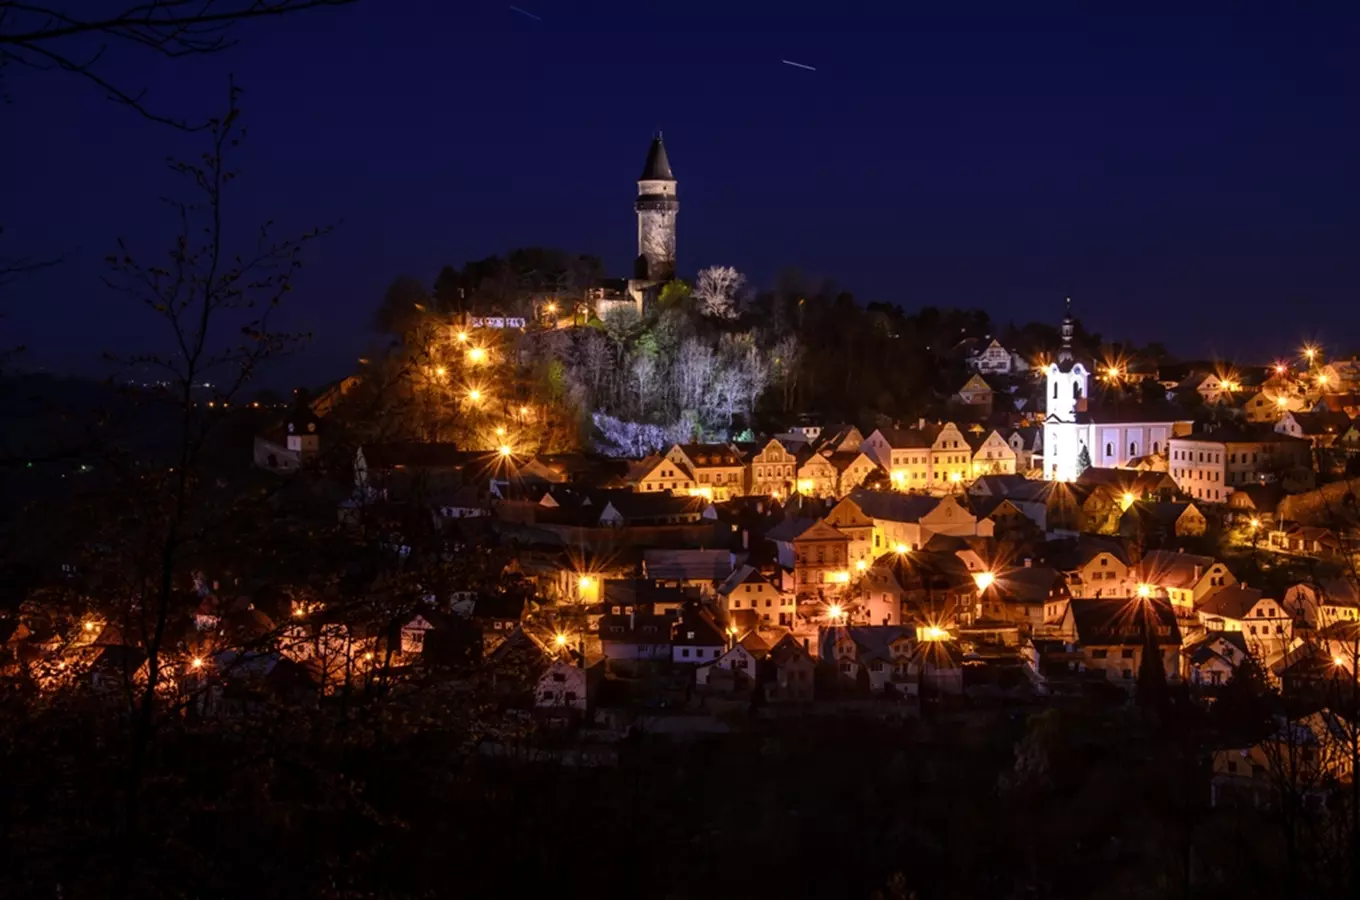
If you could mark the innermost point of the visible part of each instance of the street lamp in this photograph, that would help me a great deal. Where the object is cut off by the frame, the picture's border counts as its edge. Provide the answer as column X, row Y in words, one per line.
column 984, row 580
column 834, row 611
column 1145, row 590
column 462, row 337
column 505, row 451
column 477, row 355
column 475, row 395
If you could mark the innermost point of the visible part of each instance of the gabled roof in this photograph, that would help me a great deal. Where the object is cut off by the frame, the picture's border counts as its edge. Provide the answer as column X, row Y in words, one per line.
column 697, row 629
column 414, row 455
column 688, row 564
column 1031, row 584
column 891, row 506
column 1322, row 422
column 642, row 507
column 790, row 528
column 1119, row 621
column 906, row 438
column 872, row 642
column 844, row 459
column 1232, row 602
column 711, row 456
column 743, row 574
column 1133, row 481
column 789, row 650
column 1167, row 568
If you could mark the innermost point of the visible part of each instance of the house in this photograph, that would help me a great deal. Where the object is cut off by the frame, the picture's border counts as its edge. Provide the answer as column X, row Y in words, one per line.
column 1162, row 521
column 117, row 668
column 847, row 517
column 1256, row 501
column 1305, row 540
column 896, row 517
column 952, row 515
column 1111, row 635
column 566, row 686
column 774, row 469
column 993, row 359
column 839, row 439
column 635, row 637
column 740, row 662
column 1184, row 579
column 1130, row 484
column 1099, row 569
column 1308, row 756
column 1213, row 661
column 289, row 446
column 412, row 635
column 993, row 455
column 904, row 453
column 852, row 467
column 746, row 590
column 717, row 469
column 1267, row 406
column 697, row 639
column 703, row 570
column 654, row 474
column 976, row 393
column 1211, row 387
column 1212, row 461
column 882, row 653
column 792, row 671
column 1324, row 603
column 1027, row 444
column 624, row 508
column 934, row 589
column 951, row 459
column 1320, row 429
column 465, row 502
column 817, row 477
column 1025, row 596
column 1263, row 621
column 821, row 556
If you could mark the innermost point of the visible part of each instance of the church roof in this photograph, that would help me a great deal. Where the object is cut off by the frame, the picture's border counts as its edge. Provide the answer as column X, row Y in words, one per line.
column 657, row 167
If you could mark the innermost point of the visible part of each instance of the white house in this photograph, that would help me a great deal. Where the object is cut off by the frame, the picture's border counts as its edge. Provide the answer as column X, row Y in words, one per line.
column 563, row 686
column 993, row 359
column 739, row 661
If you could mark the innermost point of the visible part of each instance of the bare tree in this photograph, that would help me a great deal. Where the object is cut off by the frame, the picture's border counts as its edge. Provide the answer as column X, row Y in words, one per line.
column 694, row 371
column 43, row 36
column 717, row 291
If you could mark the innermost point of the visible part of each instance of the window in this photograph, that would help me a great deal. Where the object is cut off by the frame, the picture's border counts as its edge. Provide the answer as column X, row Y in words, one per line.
column 1099, row 654
column 1133, row 448
column 1126, row 654
column 559, row 677
column 1109, row 449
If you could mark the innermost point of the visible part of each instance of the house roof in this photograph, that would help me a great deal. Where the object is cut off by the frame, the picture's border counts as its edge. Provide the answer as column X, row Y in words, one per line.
column 891, row 506
column 1118, row 621
column 789, row 650
column 907, row 438
column 871, row 641
column 1259, row 497
column 755, row 644
column 640, row 507
column 1031, row 584
column 697, row 629
column 790, row 528
column 1167, row 568
column 638, row 627
column 844, row 459
column 1233, row 602
column 712, row 456
column 743, row 574
column 1134, row 481
column 688, row 565
column 1322, row 422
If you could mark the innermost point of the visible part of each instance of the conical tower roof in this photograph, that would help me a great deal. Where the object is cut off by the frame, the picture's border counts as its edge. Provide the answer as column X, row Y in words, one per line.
column 657, row 167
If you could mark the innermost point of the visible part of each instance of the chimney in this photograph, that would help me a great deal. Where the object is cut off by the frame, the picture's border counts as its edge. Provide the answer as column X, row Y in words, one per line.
column 1029, row 562
column 921, row 424
column 1198, row 573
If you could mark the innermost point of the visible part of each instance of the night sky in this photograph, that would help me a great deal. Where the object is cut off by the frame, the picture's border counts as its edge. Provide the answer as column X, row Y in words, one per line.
column 1188, row 178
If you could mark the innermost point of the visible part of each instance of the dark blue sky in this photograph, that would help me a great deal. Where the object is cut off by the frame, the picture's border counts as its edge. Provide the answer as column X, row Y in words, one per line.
column 1189, row 178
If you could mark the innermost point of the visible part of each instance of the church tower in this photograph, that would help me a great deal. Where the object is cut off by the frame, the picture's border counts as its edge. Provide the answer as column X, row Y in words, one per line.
column 1067, row 378
column 656, row 210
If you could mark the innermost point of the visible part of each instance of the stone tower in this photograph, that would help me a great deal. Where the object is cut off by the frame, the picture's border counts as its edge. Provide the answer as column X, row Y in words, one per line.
column 656, row 210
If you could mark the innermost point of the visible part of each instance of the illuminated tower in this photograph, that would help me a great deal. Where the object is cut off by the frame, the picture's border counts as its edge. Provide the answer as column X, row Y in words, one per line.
column 1065, row 392
column 656, row 210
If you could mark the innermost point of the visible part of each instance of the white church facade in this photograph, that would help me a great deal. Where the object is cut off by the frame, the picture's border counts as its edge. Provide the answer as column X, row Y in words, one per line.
column 1110, row 440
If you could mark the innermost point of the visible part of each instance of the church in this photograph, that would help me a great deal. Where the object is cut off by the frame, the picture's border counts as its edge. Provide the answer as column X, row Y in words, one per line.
column 1111, row 436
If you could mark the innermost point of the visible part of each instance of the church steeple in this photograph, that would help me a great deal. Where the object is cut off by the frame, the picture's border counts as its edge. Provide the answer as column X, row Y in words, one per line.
column 1068, row 329
column 656, row 207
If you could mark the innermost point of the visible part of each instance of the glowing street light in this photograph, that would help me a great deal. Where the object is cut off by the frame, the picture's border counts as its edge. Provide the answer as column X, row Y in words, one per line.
column 861, row 565
column 934, row 633
column 500, row 431
column 956, row 477
column 462, row 337
column 475, row 395
column 1255, row 523
column 1338, row 661
column 834, row 611
column 1322, row 380
column 560, row 639
column 1128, row 499
column 1145, row 590
column 441, row 371
column 1310, row 352
column 477, row 355
column 585, row 582
column 551, row 309
column 196, row 662
column 900, row 548
column 505, row 451
column 1281, row 402
column 984, row 580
